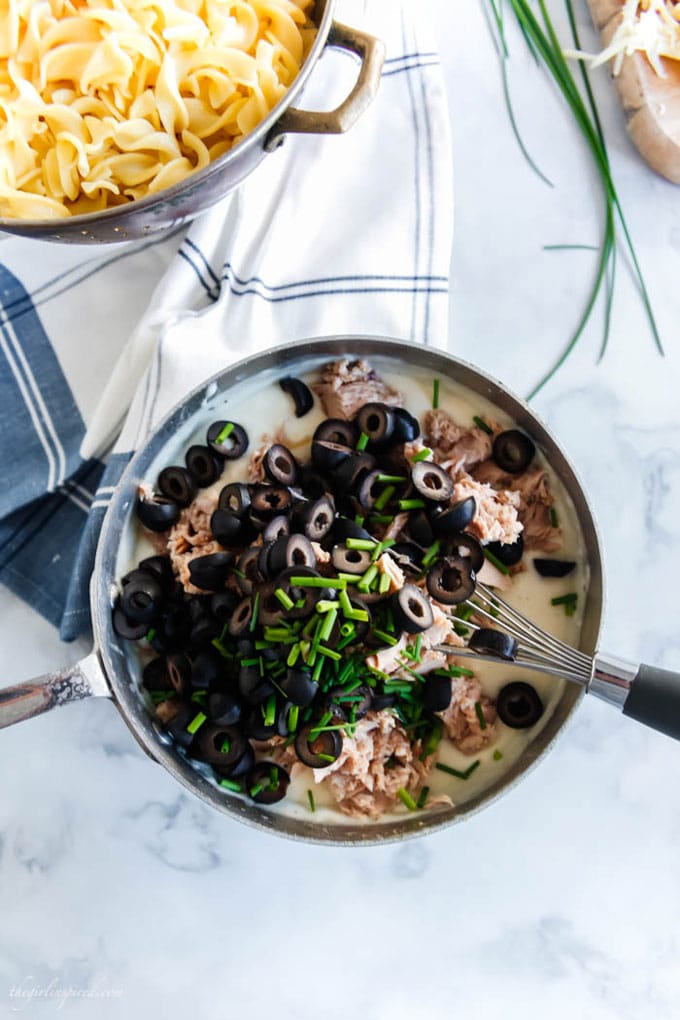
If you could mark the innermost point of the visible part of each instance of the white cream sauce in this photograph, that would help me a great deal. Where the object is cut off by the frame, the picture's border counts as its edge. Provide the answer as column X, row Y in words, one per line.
column 262, row 408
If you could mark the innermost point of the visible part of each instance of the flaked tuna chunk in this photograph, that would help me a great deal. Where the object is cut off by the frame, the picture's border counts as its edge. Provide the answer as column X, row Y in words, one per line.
column 345, row 386
column 460, row 719
column 389, row 568
column 373, row 765
column 459, row 448
column 192, row 537
column 388, row 660
column 535, row 502
column 440, row 632
column 496, row 518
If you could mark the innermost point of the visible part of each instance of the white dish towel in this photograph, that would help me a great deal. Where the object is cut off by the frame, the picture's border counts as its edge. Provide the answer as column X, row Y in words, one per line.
column 330, row 235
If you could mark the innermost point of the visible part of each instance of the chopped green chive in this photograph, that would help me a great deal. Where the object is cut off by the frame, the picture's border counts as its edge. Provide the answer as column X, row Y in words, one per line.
column 480, row 715
column 293, row 715
column 310, row 798
column 384, row 497
column 348, row 630
column 495, row 561
column 225, row 745
column 256, row 612
column 368, row 578
column 254, row 790
column 431, row 553
column 382, row 636
column 569, row 602
column 328, row 624
column 225, row 433
column 317, row 582
column 381, row 519
column 435, row 394
column 150, row 634
column 293, row 654
column 411, row 504
column 329, row 653
column 359, row 519
column 360, row 615
column 422, row 799
column 362, row 544
column 269, row 713
column 553, row 517
column 326, row 757
column 406, row 799
column 285, row 599
column 230, row 784
column 391, row 478
column 384, row 584
column 196, row 723
column 325, row 606
column 481, row 424
column 497, row 755
column 421, row 455
column 362, row 441
column 432, row 742
column 456, row 772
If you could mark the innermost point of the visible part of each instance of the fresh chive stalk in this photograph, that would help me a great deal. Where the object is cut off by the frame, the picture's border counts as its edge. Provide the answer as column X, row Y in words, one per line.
column 310, row 798
column 224, row 433
column 421, row 455
column 481, row 424
column 435, row 394
column 480, row 715
column 495, row 561
column 456, row 772
column 362, row 442
column 406, row 799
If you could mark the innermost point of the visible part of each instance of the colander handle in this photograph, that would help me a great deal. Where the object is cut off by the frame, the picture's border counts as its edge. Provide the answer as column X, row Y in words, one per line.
column 23, row 701
column 654, row 699
column 371, row 52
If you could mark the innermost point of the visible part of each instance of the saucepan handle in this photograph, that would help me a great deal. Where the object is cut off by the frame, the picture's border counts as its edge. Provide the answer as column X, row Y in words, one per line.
column 645, row 693
column 85, row 679
column 654, row 699
column 371, row 52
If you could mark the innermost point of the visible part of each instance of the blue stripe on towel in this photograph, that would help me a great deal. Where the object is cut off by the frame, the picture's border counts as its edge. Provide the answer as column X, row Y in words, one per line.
column 37, row 408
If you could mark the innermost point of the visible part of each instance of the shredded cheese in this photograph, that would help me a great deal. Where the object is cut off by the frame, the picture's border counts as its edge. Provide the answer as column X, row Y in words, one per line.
column 648, row 26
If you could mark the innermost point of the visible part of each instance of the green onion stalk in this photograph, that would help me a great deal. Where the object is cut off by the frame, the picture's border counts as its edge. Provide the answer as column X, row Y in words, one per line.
column 539, row 34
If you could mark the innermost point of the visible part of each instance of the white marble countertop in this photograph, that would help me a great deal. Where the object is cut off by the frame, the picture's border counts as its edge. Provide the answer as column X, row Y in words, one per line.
column 560, row 901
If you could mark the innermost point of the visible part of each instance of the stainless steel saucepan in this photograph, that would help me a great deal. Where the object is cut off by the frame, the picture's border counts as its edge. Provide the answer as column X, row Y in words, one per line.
column 112, row 669
column 173, row 206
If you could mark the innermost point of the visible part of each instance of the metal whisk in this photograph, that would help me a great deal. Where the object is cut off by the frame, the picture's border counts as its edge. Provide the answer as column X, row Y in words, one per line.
column 645, row 693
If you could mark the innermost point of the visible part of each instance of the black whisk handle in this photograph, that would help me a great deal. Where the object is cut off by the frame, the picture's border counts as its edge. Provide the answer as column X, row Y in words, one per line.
column 654, row 699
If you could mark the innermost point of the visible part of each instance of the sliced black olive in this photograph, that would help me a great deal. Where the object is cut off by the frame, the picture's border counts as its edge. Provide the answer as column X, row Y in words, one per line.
column 337, row 430
column 377, row 421
column 266, row 783
column 509, row 553
column 436, row 692
column 283, row 720
column 223, row 708
column 408, row 555
column 270, row 611
column 420, row 528
column 255, row 726
column 202, row 465
column 243, row 765
column 451, row 580
column 310, row 483
column 278, row 527
column 126, row 628
column 345, row 527
column 355, row 704
column 300, row 392
column 178, row 725
column 161, row 568
column 155, row 675
column 554, row 568
column 347, row 476
column 142, row 598
column 318, row 750
column 235, row 497
column 382, row 700
column 308, row 597
column 431, row 482
column 317, row 518
column 513, row 451
column 204, row 629
column 241, row 617
column 179, row 672
column 248, row 574
column 519, row 705
column 220, row 745
column 406, row 427
column 227, row 528
column 177, row 484
column 299, row 687
column 468, row 548
column 412, row 609
column 157, row 514
column 222, row 605
column 456, row 518
column 210, row 572
column 230, row 443
column 280, row 466
column 350, row 561
column 207, row 669
column 253, row 687
column 172, row 629
column 327, row 457
column 299, row 552
column 370, row 489
column 269, row 501
column 487, row 641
